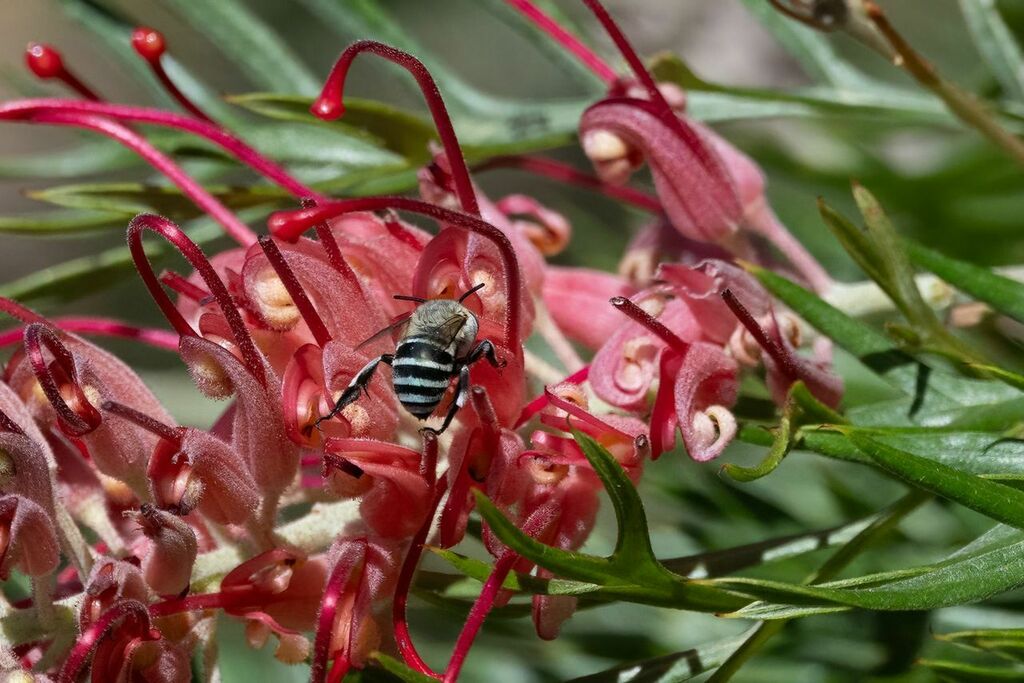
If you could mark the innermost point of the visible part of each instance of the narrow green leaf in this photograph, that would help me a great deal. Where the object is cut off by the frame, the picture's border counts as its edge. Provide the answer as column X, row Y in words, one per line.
column 87, row 275
column 998, row 501
column 245, row 39
column 870, row 346
column 523, row 583
column 974, row 673
column 887, row 250
column 47, row 223
column 994, row 564
column 87, row 157
column 128, row 199
column 977, row 453
column 633, row 542
column 1002, row 293
column 996, row 44
column 674, row 668
column 1008, row 642
column 579, row 566
column 376, row 122
column 857, row 243
column 781, row 445
column 399, row 669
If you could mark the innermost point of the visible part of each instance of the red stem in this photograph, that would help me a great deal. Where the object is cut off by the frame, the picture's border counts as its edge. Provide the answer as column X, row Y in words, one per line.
column 538, row 404
column 104, row 327
column 295, row 291
column 650, row 322
column 148, row 423
column 150, row 45
column 138, row 144
column 289, row 225
column 330, row 105
column 764, row 340
column 180, row 284
column 567, row 40
column 19, row 312
column 565, row 173
column 26, row 109
column 330, row 246
column 194, row 255
column 399, row 606
column 46, row 62
column 481, row 608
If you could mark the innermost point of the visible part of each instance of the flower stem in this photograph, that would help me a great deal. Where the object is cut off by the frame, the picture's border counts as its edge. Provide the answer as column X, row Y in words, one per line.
column 961, row 103
column 73, row 543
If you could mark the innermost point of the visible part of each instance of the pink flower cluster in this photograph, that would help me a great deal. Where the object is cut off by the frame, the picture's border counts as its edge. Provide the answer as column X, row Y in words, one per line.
column 278, row 327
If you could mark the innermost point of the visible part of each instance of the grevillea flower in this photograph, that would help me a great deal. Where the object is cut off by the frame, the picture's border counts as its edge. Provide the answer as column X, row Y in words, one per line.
column 295, row 332
column 709, row 190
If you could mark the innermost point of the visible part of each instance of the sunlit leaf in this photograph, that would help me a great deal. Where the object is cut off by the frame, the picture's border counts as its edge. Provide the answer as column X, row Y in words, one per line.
column 998, row 501
column 1002, row 293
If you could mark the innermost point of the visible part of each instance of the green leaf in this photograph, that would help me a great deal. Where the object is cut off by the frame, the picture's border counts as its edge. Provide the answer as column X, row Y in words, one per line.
column 542, row 127
column 998, row 501
column 996, row 44
column 574, row 565
column 375, row 122
column 48, row 223
column 673, row 668
column 128, row 199
column 80, row 277
column 977, row 453
column 521, row 583
column 781, row 445
column 991, row 565
column 399, row 669
column 248, row 42
column 633, row 540
column 1002, row 293
column 87, row 157
column 974, row 673
column 1009, row 642
column 887, row 251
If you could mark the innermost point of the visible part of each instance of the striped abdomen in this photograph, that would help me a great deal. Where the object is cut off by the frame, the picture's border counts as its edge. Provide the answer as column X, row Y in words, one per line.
column 423, row 368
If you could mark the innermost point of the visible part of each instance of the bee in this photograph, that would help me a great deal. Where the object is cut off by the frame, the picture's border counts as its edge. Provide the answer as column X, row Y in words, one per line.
column 438, row 345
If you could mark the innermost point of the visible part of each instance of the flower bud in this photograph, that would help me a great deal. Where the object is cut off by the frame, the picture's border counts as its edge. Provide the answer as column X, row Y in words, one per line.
column 170, row 550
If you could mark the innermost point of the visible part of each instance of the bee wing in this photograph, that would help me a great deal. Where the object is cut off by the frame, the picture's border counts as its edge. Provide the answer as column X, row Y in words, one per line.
column 396, row 324
column 451, row 327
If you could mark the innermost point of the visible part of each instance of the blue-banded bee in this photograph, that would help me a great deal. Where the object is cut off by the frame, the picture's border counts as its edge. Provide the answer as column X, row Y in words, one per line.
column 439, row 344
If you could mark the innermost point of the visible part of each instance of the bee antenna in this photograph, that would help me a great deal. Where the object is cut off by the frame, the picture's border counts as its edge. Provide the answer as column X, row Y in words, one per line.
column 471, row 292
column 406, row 297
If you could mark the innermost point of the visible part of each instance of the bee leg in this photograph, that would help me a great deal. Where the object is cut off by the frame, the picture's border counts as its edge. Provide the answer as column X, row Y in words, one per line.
column 485, row 349
column 356, row 386
column 461, row 396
